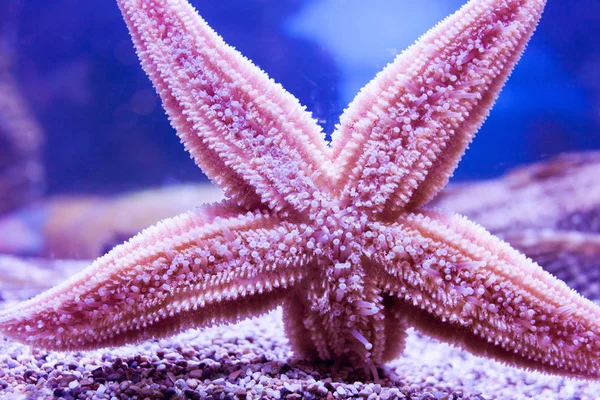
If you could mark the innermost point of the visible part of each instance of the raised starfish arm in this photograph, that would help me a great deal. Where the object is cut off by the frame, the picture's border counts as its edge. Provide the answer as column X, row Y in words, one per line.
column 495, row 302
column 250, row 136
column 401, row 138
column 572, row 256
column 211, row 265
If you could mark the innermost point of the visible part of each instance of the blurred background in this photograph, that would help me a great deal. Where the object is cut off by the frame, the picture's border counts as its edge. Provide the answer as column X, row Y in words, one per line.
column 100, row 127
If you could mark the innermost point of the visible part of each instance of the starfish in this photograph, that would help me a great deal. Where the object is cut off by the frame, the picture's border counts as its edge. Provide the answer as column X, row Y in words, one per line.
column 337, row 235
column 547, row 210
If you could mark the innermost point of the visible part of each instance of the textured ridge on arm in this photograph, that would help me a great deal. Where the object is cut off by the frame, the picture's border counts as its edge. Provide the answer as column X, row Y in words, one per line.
column 493, row 300
column 211, row 265
column 401, row 138
column 250, row 136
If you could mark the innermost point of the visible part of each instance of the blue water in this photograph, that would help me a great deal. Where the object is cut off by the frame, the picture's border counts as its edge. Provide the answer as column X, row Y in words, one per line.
column 105, row 130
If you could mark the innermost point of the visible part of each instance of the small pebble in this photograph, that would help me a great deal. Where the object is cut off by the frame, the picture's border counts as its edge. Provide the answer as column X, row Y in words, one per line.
column 219, row 381
column 322, row 390
column 196, row 374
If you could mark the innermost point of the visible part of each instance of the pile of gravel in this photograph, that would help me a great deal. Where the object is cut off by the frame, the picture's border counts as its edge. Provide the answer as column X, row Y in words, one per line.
column 252, row 360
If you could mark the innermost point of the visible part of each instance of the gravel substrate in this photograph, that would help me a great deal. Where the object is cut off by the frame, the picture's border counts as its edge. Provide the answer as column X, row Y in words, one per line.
column 252, row 360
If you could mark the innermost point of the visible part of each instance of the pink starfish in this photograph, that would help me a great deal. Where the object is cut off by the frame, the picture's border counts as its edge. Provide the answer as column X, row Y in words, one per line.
column 337, row 235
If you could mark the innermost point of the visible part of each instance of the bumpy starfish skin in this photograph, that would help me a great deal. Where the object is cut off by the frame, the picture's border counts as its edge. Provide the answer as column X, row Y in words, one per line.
column 548, row 210
column 336, row 235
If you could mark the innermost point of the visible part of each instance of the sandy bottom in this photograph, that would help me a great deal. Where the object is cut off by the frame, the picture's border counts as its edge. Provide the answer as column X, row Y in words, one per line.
column 252, row 360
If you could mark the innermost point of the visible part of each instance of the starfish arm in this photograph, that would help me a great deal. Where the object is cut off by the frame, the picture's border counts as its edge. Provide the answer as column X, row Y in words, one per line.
column 406, row 130
column 452, row 279
column 572, row 256
column 250, row 136
column 211, row 265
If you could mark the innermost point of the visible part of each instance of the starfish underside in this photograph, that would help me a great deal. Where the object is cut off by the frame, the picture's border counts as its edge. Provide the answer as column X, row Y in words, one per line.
column 336, row 235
